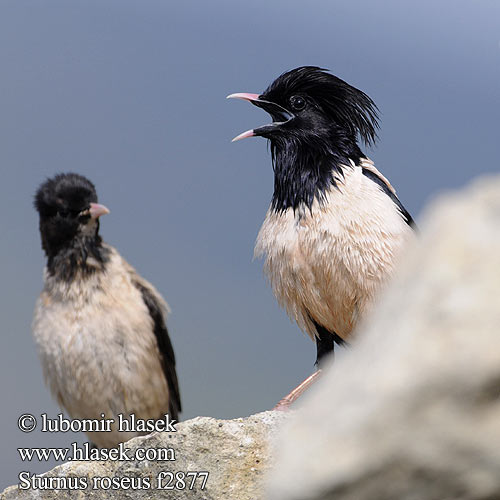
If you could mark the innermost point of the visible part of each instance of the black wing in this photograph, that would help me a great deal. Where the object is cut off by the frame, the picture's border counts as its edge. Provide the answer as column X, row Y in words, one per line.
column 325, row 341
column 385, row 188
column 166, row 349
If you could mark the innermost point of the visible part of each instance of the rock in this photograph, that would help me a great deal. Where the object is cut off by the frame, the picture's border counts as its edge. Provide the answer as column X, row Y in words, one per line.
column 236, row 453
column 412, row 411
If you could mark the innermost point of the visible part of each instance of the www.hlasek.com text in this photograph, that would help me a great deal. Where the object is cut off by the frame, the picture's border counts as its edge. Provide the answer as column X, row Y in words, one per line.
column 87, row 452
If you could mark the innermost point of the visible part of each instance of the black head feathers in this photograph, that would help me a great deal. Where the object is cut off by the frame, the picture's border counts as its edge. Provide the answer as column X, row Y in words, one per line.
column 69, row 224
column 64, row 192
column 317, row 120
column 346, row 106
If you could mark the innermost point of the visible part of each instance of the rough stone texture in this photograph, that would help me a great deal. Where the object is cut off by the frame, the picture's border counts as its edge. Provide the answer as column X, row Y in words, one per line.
column 412, row 412
column 235, row 452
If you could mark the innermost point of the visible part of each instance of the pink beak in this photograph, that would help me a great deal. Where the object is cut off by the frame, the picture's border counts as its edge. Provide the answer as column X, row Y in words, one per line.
column 244, row 135
column 96, row 210
column 245, row 96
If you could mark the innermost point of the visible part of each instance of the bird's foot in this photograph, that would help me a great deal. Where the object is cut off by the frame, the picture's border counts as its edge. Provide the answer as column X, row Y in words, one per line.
column 284, row 404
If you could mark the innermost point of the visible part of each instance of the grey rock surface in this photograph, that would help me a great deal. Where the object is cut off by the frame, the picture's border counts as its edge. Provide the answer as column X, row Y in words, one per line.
column 412, row 411
column 236, row 453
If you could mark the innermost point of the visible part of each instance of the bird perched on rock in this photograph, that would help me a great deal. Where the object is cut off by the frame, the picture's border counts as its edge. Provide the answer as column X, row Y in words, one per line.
column 335, row 226
column 99, row 326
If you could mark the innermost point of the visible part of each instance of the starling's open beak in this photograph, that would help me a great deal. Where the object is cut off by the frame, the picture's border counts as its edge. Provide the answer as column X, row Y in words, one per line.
column 279, row 114
column 96, row 210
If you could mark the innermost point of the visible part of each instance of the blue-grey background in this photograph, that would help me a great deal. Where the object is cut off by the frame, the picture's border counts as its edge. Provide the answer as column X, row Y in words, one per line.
column 132, row 95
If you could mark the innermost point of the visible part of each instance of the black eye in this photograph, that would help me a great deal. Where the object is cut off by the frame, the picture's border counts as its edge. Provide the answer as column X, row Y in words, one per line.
column 297, row 102
column 63, row 213
column 83, row 219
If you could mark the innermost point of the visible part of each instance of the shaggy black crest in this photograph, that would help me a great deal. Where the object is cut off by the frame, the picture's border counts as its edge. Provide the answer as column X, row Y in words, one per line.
column 345, row 106
column 62, row 203
column 326, row 116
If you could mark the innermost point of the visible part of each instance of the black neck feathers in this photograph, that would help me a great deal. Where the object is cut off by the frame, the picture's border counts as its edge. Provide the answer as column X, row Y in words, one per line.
column 82, row 258
column 304, row 173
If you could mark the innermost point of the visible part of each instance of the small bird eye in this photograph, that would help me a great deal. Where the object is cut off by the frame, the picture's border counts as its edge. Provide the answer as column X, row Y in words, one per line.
column 297, row 102
column 84, row 218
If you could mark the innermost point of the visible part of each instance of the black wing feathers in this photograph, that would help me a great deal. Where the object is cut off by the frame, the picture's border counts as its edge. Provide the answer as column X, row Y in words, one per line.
column 166, row 349
column 377, row 180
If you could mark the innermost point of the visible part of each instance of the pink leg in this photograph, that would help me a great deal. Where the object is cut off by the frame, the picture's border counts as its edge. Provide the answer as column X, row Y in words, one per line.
column 284, row 404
